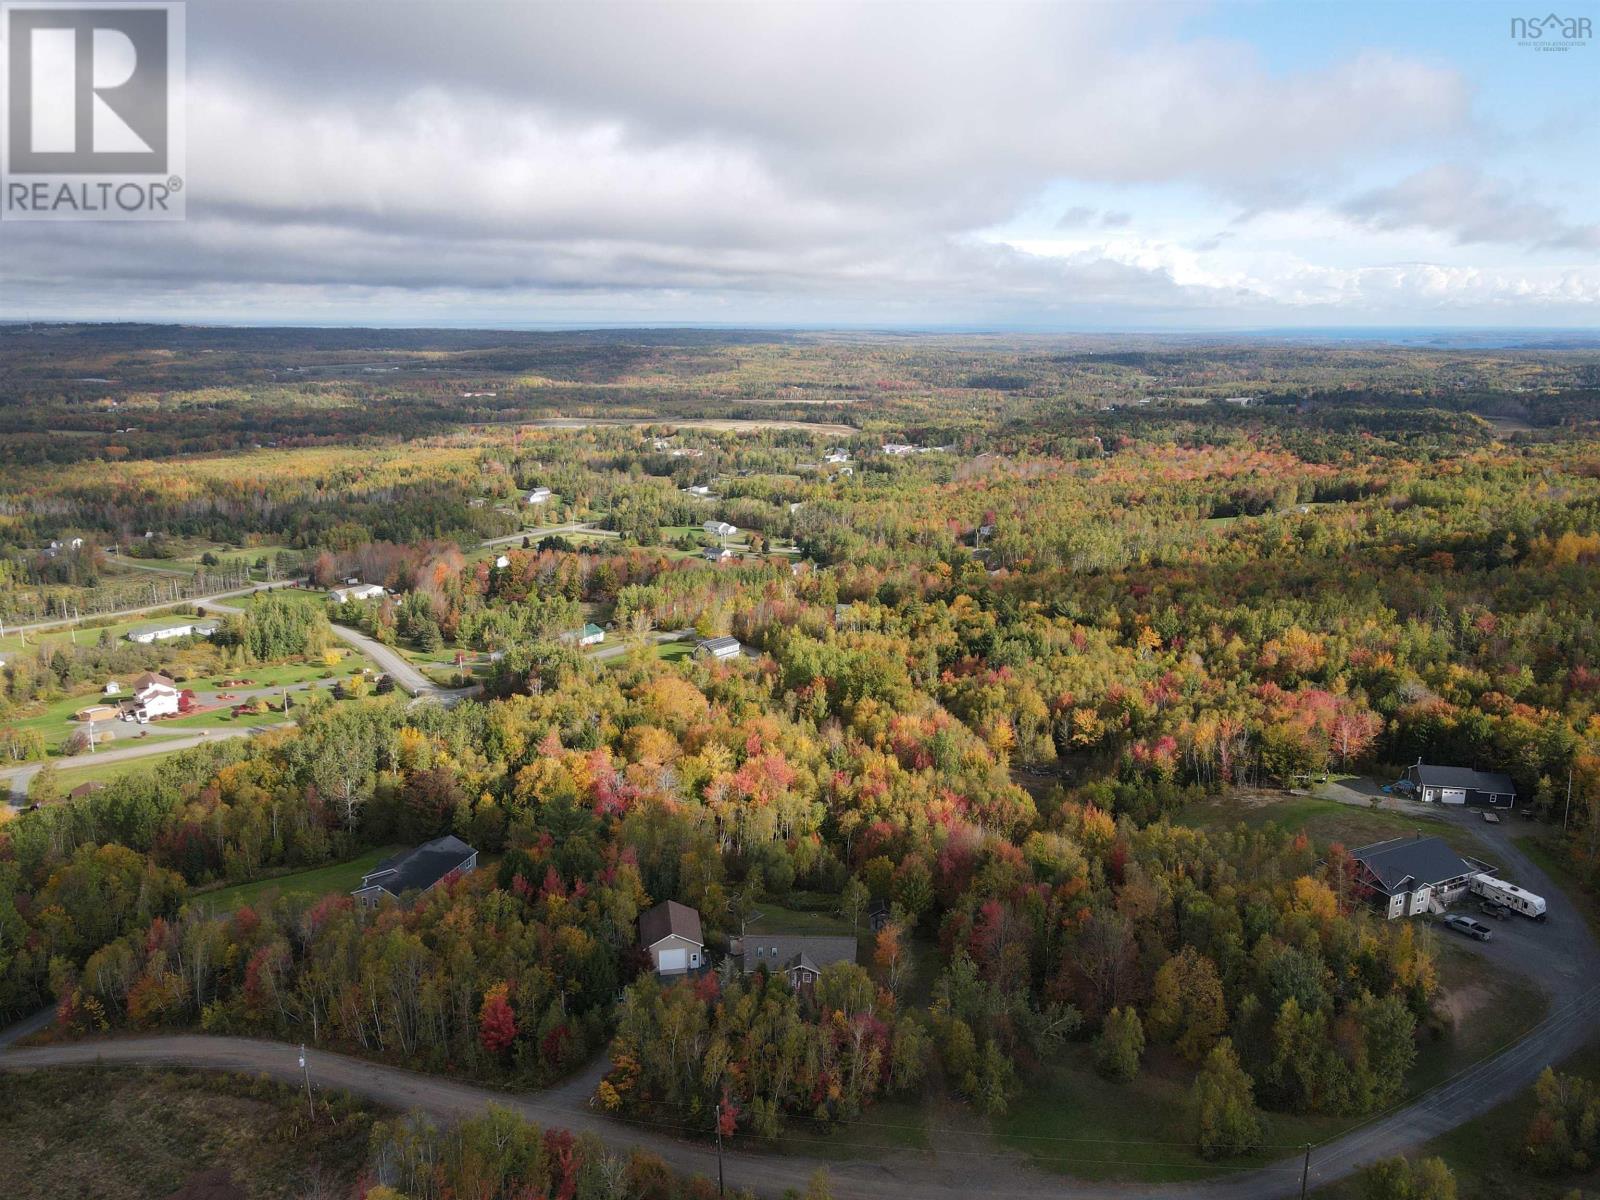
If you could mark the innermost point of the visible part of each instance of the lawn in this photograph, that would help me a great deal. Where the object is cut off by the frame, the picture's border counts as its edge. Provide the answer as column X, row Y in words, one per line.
column 132, row 1133
column 1324, row 821
column 897, row 1124
column 318, row 881
column 807, row 912
column 83, row 634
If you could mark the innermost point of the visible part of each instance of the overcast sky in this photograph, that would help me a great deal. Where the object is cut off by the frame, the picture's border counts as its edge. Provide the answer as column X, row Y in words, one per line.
column 1071, row 165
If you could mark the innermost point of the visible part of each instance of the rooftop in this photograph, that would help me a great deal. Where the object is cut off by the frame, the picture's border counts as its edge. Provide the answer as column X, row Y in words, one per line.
column 1423, row 860
column 419, row 869
column 667, row 919
column 1464, row 777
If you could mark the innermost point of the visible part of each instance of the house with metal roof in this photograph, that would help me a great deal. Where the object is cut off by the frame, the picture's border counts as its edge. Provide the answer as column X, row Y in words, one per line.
column 718, row 647
column 671, row 933
column 1411, row 875
column 1461, row 785
column 419, row 870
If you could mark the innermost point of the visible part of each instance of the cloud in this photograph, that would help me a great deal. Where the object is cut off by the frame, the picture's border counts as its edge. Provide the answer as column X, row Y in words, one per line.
column 1470, row 208
column 1082, row 217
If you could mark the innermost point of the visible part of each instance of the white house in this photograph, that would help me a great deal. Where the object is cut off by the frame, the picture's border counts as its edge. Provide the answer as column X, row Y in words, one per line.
column 161, row 632
column 699, row 489
column 538, row 496
column 154, row 696
column 836, row 456
column 718, row 647
column 720, row 529
column 898, row 448
column 671, row 933
column 590, row 635
column 361, row 591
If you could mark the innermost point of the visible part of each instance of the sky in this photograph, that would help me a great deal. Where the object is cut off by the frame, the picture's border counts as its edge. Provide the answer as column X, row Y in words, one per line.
column 1073, row 166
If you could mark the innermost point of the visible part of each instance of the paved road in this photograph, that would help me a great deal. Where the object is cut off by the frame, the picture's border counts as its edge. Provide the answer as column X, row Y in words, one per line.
column 544, row 531
column 205, row 601
column 18, row 778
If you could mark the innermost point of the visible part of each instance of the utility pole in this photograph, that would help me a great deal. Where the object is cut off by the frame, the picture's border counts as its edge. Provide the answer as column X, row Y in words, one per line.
column 306, row 1068
column 1567, row 812
column 1305, row 1172
column 719, row 1149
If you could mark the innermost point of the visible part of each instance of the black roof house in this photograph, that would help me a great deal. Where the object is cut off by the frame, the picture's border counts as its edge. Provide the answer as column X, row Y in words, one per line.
column 1406, row 864
column 1463, row 785
column 417, row 870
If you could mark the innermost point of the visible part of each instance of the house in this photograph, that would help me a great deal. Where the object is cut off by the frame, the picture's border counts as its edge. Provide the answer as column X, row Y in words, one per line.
column 879, row 915
column 718, row 647
column 361, row 591
column 699, row 489
column 898, row 448
column 590, row 635
column 162, row 631
column 836, row 456
column 720, row 529
column 801, row 957
column 1459, row 785
column 717, row 554
column 538, row 496
column 154, row 696
column 418, row 870
column 671, row 933
column 1411, row 875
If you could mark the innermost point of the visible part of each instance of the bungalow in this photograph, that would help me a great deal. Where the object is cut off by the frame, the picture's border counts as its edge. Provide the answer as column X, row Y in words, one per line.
column 590, row 635
column 717, row 554
column 720, row 529
column 154, row 696
column 801, row 957
column 162, row 631
column 418, row 870
column 361, row 591
column 1408, row 876
column 699, row 489
column 1459, row 785
column 836, row 456
column 670, row 932
column 538, row 496
column 718, row 647
column 898, row 449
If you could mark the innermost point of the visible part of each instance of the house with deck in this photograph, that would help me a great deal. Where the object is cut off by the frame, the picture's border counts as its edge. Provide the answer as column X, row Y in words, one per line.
column 417, row 871
column 1407, row 876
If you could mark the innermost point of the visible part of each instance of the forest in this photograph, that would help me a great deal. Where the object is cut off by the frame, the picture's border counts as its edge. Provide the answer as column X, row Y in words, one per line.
column 986, row 685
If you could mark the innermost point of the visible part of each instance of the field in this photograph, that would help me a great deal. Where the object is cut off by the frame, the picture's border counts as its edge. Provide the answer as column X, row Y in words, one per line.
column 339, row 878
column 1323, row 820
column 131, row 1134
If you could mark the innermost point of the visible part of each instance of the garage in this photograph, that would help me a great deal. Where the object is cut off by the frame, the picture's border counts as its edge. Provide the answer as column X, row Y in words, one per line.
column 1453, row 796
column 673, row 960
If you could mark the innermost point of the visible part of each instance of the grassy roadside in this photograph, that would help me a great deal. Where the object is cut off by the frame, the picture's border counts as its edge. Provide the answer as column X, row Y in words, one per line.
column 134, row 1133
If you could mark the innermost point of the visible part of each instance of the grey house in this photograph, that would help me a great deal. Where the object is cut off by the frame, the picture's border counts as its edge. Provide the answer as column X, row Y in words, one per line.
column 418, row 870
column 1461, row 785
column 671, row 933
column 800, row 957
column 1407, row 876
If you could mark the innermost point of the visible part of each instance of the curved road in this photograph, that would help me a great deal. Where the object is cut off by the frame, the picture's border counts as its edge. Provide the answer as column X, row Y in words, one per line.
column 1561, row 955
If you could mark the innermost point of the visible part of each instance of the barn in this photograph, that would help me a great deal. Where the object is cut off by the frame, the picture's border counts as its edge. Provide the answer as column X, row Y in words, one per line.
column 1461, row 785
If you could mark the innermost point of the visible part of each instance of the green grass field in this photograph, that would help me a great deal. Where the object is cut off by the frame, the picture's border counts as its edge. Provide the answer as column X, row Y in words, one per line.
column 339, row 878
column 1324, row 821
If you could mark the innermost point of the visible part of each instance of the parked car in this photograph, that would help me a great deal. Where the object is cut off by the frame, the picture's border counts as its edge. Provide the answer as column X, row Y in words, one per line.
column 1470, row 927
column 1490, row 909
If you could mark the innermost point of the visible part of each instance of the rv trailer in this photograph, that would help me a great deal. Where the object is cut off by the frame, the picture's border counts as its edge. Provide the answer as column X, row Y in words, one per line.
column 1509, row 894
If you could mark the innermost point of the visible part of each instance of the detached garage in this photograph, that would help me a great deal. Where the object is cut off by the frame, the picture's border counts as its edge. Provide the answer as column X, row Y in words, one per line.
column 1460, row 785
column 671, row 933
